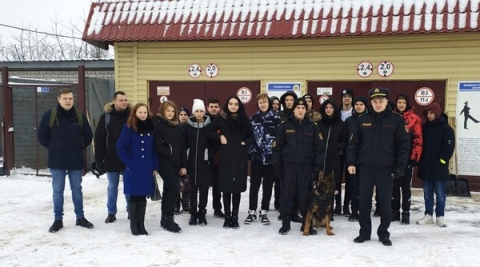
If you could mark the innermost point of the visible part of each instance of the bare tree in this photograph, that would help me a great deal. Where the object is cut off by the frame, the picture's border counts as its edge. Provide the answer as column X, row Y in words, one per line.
column 58, row 43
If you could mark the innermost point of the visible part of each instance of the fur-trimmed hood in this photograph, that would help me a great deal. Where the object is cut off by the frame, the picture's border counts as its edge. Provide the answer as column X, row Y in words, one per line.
column 109, row 107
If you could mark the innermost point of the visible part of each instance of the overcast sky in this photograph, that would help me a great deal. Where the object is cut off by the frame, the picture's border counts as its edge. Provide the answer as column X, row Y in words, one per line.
column 41, row 15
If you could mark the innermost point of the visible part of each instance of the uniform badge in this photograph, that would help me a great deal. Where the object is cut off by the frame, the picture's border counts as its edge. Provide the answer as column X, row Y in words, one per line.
column 274, row 144
column 320, row 136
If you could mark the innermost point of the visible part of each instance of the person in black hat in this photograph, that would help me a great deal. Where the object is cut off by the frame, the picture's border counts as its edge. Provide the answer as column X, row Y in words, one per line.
column 360, row 107
column 379, row 148
column 298, row 155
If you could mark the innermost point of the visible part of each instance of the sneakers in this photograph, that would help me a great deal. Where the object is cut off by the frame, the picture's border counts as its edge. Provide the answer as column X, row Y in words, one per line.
column 110, row 218
column 263, row 217
column 441, row 222
column 56, row 226
column 405, row 217
column 426, row 220
column 252, row 216
column 84, row 223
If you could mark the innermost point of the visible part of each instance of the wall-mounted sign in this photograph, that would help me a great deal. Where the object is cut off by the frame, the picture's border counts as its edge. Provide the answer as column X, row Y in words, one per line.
column 43, row 89
column 244, row 94
column 424, row 96
column 194, row 70
column 211, row 70
column 163, row 90
column 364, row 69
column 163, row 98
column 385, row 68
column 323, row 98
column 324, row 90
column 279, row 88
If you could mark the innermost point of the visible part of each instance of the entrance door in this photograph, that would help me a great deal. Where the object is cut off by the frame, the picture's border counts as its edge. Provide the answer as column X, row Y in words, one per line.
column 183, row 93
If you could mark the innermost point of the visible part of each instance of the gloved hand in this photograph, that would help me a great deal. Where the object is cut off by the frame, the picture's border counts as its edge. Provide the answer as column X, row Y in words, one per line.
column 100, row 166
column 398, row 173
column 412, row 163
column 279, row 172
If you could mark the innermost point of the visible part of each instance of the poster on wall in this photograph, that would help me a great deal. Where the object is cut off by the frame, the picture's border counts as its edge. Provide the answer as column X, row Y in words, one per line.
column 279, row 88
column 468, row 128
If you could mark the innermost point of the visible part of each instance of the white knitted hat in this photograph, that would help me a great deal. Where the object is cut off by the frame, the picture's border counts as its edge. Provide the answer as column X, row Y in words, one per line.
column 198, row 105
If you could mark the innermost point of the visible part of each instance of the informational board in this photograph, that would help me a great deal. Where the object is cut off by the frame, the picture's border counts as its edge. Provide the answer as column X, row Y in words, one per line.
column 468, row 128
column 279, row 88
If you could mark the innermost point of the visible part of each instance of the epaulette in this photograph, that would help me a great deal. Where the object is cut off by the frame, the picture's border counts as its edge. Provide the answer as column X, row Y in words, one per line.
column 315, row 123
column 282, row 122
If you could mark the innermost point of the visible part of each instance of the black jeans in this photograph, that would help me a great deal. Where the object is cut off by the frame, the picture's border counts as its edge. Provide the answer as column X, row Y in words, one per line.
column 259, row 171
column 200, row 193
column 169, row 175
column 353, row 186
column 405, row 183
column 216, row 195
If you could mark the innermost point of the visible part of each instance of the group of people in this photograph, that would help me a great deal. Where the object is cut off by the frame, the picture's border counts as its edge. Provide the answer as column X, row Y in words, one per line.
column 371, row 143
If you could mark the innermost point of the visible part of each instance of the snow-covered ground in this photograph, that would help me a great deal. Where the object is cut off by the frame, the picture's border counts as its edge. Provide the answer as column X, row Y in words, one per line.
column 26, row 214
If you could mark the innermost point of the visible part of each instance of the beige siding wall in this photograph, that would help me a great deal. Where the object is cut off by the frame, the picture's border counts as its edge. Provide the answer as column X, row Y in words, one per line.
column 451, row 57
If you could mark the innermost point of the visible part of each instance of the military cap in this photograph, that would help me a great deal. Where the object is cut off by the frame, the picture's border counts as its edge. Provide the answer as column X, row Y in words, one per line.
column 378, row 92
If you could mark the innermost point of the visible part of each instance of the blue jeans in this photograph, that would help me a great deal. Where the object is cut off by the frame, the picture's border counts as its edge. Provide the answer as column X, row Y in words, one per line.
column 112, row 192
column 58, row 185
column 429, row 187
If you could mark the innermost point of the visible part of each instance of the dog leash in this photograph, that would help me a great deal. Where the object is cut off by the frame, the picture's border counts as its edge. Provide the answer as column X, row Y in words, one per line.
column 324, row 157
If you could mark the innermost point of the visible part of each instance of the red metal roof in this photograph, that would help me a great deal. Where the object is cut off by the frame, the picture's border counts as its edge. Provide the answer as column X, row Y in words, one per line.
column 158, row 20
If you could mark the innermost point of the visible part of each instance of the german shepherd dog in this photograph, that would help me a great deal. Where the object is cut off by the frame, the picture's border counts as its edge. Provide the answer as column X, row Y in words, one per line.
column 320, row 208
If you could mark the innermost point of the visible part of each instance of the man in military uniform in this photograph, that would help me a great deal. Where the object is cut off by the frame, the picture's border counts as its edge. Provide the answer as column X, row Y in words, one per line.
column 297, row 157
column 379, row 148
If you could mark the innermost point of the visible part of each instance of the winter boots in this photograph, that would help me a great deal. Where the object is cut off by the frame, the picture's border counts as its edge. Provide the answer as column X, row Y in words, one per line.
column 56, row 226
column 285, row 227
column 234, row 223
column 170, row 225
column 193, row 214
column 201, row 217
column 405, row 217
column 228, row 220
column 137, row 217
column 395, row 217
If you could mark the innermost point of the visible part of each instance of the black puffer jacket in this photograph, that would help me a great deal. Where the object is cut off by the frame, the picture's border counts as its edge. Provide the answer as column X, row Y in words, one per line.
column 106, row 139
column 199, row 160
column 169, row 143
column 438, row 144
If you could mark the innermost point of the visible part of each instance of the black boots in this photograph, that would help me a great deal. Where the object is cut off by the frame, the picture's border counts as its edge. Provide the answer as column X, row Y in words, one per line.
column 193, row 214
column 228, row 220
column 234, row 223
column 142, row 207
column 171, row 226
column 137, row 217
column 285, row 227
column 201, row 217
column 405, row 217
column 56, row 226
column 395, row 216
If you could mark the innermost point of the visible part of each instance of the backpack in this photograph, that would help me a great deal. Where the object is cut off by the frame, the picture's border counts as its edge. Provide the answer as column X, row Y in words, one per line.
column 53, row 118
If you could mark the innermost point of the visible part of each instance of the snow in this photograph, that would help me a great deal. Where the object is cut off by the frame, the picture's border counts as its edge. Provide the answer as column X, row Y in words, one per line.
column 27, row 213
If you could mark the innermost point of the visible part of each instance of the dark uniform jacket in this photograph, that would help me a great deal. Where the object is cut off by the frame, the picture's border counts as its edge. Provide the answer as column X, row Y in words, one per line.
column 169, row 143
column 379, row 141
column 232, row 168
column 298, row 142
column 106, row 141
column 66, row 139
column 200, row 158
column 438, row 143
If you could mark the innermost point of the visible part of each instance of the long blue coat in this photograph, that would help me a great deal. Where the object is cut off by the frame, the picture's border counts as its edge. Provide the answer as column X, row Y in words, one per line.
column 137, row 153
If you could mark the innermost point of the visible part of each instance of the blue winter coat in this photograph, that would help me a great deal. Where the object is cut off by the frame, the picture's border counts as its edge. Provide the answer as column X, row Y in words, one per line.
column 137, row 152
column 65, row 140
